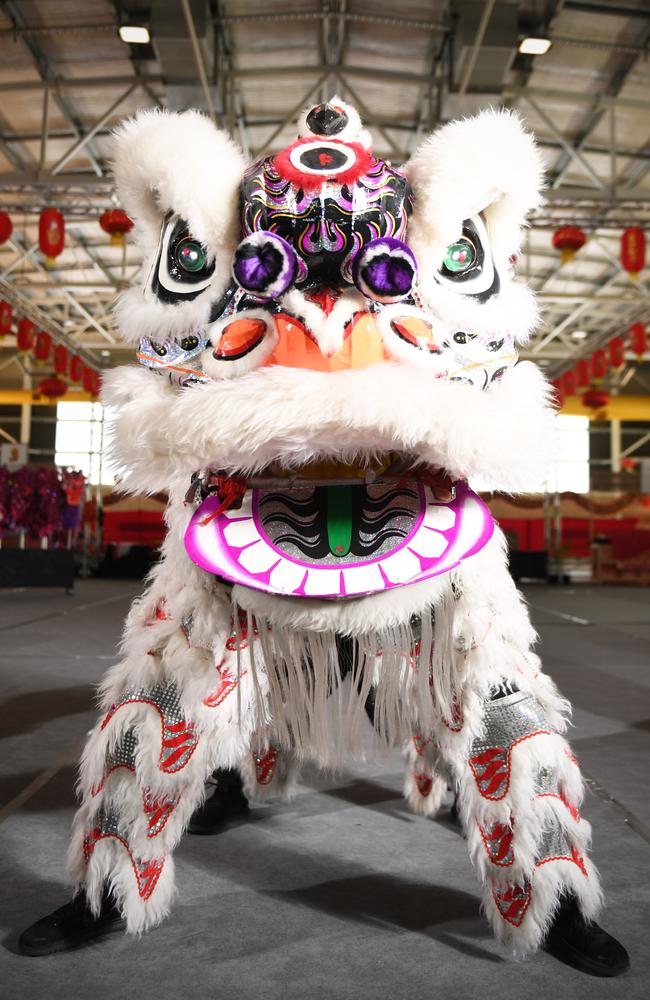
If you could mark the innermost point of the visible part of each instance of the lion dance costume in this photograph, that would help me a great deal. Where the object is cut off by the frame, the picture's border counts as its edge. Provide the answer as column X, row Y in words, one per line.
column 327, row 351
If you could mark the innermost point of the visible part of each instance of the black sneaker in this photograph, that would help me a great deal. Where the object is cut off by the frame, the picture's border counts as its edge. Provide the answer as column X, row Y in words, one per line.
column 227, row 802
column 583, row 944
column 71, row 926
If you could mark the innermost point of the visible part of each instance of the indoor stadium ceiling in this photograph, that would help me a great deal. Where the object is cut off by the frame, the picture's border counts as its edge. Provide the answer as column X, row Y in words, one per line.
column 67, row 78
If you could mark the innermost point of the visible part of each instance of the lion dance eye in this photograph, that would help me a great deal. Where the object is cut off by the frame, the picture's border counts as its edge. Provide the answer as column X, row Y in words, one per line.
column 190, row 256
column 459, row 257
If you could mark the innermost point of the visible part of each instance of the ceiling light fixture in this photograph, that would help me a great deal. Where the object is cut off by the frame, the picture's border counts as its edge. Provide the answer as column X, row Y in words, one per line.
column 579, row 334
column 534, row 45
column 134, row 34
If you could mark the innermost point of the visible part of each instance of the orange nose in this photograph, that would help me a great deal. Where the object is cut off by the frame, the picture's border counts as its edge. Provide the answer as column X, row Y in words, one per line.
column 297, row 348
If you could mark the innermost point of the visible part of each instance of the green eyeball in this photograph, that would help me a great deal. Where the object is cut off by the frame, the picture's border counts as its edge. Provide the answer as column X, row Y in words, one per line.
column 190, row 256
column 459, row 257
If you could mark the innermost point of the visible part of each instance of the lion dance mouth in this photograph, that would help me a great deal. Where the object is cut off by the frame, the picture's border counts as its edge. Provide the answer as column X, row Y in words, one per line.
column 329, row 531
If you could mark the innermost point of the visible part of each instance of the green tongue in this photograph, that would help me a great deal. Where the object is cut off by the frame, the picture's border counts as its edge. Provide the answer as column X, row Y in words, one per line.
column 338, row 500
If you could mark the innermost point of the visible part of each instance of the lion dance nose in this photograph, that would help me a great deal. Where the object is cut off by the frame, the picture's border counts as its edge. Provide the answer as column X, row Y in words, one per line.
column 385, row 270
column 325, row 119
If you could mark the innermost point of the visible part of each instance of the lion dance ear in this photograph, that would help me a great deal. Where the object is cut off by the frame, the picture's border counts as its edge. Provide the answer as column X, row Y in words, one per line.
column 167, row 162
column 489, row 164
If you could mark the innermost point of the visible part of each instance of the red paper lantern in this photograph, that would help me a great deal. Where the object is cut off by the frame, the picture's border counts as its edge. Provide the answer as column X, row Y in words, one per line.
column 595, row 399
column 616, row 351
column 51, row 234
column 42, row 345
column 52, row 387
column 639, row 339
column 6, row 227
column 599, row 365
column 583, row 374
column 76, row 368
column 569, row 383
column 629, row 464
column 60, row 359
column 117, row 224
column 633, row 250
column 568, row 240
column 88, row 379
column 6, row 317
column 25, row 334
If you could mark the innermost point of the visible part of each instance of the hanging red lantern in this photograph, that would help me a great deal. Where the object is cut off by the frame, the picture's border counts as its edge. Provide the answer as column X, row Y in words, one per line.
column 97, row 387
column 633, row 250
column 25, row 334
column 60, row 359
column 569, row 383
column 6, row 227
column 76, row 368
column 52, row 387
column 616, row 351
column 599, row 365
column 595, row 399
column 568, row 240
column 51, row 234
column 583, row 374
column 88, row 379
column 6, row 317
column 629, row 464
column 42, row 345
column 639, row 339
column 117, row 224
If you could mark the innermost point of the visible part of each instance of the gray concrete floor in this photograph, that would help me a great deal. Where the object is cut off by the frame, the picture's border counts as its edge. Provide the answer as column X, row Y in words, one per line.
column 342, row 893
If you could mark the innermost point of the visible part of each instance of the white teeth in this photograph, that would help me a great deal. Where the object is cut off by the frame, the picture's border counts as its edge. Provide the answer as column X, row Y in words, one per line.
column 287, row 577
column 428, row 543
column 240, row 533
column 321, row 583
column 440, row 518
column 258, row 558
column 401, row 567
column 363, row 579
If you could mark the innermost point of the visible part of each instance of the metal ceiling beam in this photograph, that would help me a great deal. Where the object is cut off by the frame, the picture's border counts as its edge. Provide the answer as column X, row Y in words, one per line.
column 570, row 150
column 390, row 20
column 373, row 73
column 574, row 97
column 85, row 139
column 198, row 59
column 45, row 322
column 365, row 112
column 44, row 71
column 57, row 286
column 468, row 69
column 58, row 84
column 291, row 117
column 614, row 88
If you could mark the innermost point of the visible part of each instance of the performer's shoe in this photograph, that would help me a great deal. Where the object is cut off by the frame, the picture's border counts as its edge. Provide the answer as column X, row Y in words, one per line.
column 583, row 944
column 71, row 926
column 226, row 803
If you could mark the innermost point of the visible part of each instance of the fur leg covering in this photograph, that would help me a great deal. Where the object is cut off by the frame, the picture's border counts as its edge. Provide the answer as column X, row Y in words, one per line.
column 175, row 708
column 499, row 731
column 425, row 776
column 520, row 792
column 269, row 772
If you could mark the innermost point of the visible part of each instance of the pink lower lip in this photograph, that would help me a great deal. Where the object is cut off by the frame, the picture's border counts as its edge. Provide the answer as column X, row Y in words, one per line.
column 234, row 546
